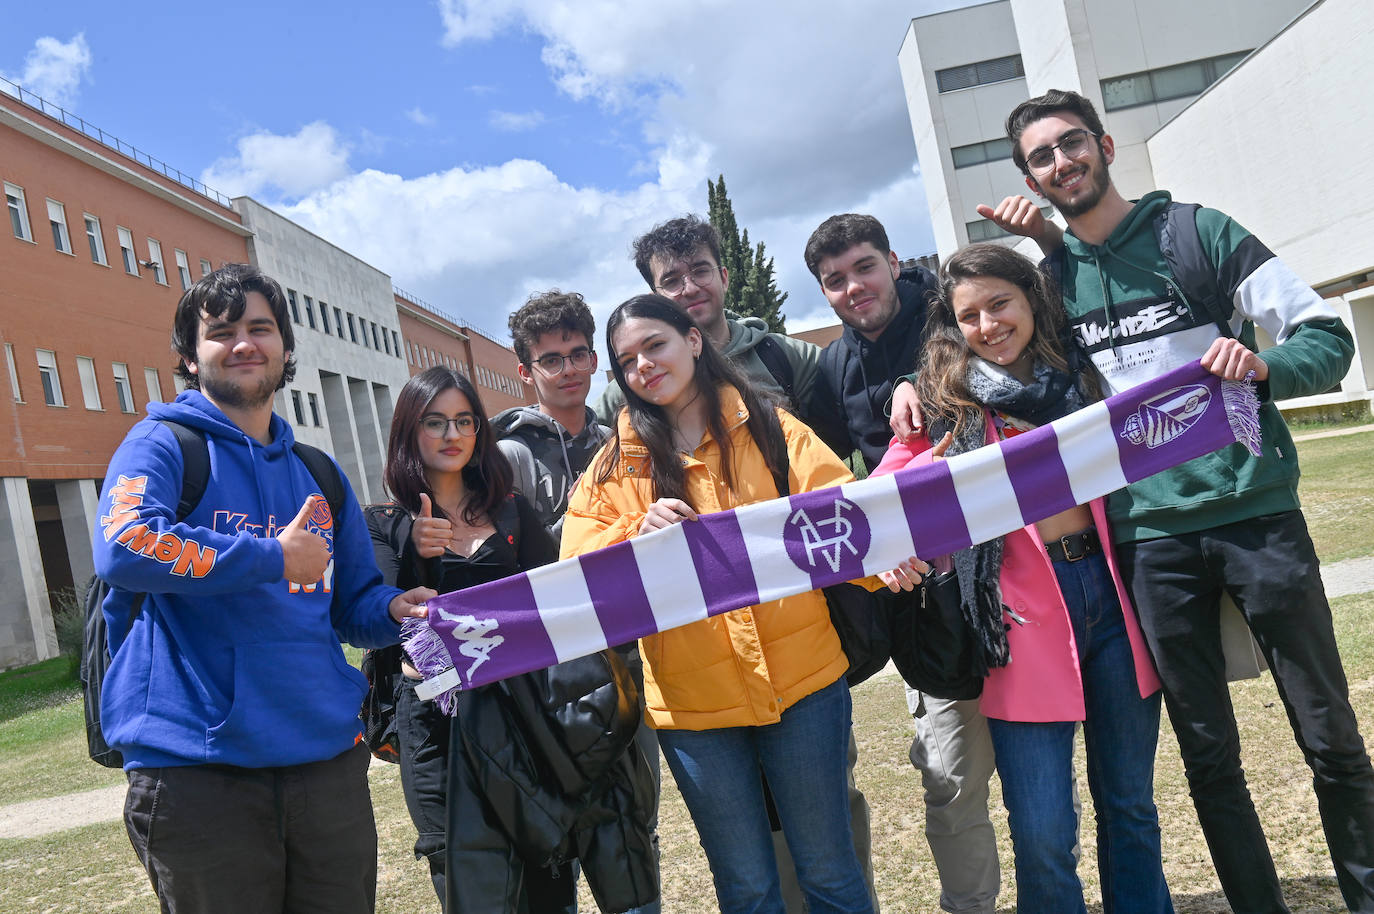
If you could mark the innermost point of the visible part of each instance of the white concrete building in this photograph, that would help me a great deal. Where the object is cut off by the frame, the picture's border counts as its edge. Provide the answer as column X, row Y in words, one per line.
column 350, row 362
column 1217, row 101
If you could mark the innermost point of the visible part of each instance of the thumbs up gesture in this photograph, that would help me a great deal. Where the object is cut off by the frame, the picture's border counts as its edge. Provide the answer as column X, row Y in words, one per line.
column 430, row 534
column 304, row 554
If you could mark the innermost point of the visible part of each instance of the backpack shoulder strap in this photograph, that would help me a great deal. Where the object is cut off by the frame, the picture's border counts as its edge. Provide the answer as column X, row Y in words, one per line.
column 1181, row 245
column 781, row 474
column 326, row 473
column 195, row 466
column 774, row 358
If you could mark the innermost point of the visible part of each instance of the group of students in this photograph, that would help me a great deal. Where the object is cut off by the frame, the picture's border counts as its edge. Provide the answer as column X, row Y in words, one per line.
column 1096, row 613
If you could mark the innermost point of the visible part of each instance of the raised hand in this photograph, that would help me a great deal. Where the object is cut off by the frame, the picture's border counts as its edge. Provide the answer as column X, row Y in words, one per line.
column 906, row 411
column 1021, row 216
column 431, row 535
column 305, row 555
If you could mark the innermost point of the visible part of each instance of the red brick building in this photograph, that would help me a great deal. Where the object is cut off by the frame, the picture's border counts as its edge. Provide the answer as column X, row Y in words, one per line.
column 433, row 338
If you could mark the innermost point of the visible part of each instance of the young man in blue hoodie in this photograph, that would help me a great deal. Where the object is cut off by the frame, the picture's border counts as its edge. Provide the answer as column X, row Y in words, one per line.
column 228, row 693
column 1228, row 522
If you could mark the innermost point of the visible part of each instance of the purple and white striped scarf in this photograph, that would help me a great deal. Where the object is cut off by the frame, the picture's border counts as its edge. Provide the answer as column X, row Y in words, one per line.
column 773, row 549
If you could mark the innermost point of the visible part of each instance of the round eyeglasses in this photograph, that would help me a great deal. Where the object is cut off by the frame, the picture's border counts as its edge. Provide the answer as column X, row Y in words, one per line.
column 701, row 276
column 1074, row 144
column 551, row 363
column 437, row 426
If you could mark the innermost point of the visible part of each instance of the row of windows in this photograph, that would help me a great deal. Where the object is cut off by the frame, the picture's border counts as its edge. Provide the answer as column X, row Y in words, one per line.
column 981, row 73
column 18, row 207
column 424, row 357
column 978, row 153
column 1179, row 81
column 987, row 230
column 359, row 329
column 51, row 379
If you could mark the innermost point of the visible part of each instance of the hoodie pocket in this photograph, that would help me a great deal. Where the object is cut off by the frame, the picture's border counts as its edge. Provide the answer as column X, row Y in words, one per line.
column 293, row 702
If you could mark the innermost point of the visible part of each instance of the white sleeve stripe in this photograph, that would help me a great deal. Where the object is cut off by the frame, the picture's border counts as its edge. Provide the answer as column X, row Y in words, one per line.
column 1276, row 298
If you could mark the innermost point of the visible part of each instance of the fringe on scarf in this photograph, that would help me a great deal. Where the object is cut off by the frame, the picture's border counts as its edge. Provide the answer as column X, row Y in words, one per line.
column 1242, row 412
column 430, row 657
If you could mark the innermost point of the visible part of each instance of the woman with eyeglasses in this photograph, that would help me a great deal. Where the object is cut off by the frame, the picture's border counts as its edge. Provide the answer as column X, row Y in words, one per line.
column 489, row 814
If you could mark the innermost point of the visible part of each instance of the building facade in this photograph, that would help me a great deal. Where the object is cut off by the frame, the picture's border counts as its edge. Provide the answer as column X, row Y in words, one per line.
column 434, row 338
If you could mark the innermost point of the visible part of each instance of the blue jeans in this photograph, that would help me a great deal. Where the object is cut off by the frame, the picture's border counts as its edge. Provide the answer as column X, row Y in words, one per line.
column 1035, row 764
column 803, row 757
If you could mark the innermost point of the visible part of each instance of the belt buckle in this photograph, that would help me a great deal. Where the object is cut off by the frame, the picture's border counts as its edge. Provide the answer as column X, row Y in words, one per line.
column 1064, row 544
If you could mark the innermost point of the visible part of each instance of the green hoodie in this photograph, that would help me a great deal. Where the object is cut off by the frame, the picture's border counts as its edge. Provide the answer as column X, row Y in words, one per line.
column 1136, row 324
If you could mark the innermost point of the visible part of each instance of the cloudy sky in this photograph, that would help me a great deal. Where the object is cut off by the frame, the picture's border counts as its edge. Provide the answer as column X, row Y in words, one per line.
column 479, row 151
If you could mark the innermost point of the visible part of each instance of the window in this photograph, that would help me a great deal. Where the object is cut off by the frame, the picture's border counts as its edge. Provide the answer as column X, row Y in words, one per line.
column 205, row 267
column 57, row 220
column 309, row 312
column 155, row 261
column 90, row 390
column 124, row 391
column 154, row 385
column 183, row 269
column 978, row 153
column 14, row 373
column 298, row 407
column 19, row 212
column 1160, row 85
column 352, row 329
column 126, row 250
column 987, row 230
column 386, row 341
column 376, row 344
column 979, row 74
column 52, row 384
column 396, row 343
column 362, row 324
column 295, row 309
column 314, row 410
column 324, row 317
column 95, row 239
column 338, row 323
column 178, row 382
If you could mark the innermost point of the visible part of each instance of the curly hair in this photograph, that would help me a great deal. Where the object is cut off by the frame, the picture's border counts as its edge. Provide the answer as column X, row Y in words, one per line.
column 675, row 239
column 223, row 294
column 550, row 312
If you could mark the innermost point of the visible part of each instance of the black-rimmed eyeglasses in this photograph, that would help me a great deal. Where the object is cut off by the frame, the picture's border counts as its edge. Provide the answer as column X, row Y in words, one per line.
column 437, row 426
column 551, row 363
column 1073, row 144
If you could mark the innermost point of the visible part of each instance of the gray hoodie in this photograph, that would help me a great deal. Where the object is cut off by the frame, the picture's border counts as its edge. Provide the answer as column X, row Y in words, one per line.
column 547, row 459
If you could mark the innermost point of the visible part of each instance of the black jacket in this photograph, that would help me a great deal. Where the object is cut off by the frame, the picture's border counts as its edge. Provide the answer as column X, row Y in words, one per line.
column 854, row 384
column 543, row 767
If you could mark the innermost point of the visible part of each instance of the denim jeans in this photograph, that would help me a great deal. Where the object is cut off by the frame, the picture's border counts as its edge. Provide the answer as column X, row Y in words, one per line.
column 1035, row 764
column 1268, row 566
column 803, row 757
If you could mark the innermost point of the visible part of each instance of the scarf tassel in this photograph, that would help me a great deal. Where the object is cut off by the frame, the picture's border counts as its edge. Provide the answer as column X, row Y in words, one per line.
column 1242, row 412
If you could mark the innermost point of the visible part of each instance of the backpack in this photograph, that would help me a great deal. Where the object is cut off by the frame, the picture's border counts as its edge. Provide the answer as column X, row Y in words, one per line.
column 1196, row 277
column 195, row 476
column 774, row 358
column 382, row 666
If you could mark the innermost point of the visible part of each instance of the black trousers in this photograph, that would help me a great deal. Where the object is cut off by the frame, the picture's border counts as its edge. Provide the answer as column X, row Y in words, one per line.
column 422, row 734
column 216, row 838
column 1268, row 566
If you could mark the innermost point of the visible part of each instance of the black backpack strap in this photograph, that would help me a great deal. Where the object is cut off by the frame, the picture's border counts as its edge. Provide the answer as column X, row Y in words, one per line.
column 1192, row 269
column 195, row 466
column 326, row 473
column 774, row 358
column 781, row 474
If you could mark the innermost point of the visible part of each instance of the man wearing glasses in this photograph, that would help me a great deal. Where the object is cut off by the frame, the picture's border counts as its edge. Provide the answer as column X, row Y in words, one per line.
column 550, row 443
column 680, row 260
column 1228, row 522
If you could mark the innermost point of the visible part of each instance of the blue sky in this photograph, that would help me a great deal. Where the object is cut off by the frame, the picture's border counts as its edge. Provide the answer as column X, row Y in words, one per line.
column 479, row 152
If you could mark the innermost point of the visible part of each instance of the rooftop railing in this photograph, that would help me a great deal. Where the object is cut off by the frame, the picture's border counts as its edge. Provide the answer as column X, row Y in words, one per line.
column 110, row 141
column 440, row 312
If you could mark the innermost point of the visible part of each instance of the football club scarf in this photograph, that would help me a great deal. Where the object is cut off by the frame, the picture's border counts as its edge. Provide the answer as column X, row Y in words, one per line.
column 773, row 549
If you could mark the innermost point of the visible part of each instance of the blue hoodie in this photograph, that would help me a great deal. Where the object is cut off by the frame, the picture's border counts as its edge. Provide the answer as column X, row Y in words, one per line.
column 227, row 662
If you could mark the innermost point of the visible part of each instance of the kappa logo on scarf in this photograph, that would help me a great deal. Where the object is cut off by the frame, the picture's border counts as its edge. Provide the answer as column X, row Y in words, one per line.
column 835, row 532
column 476, row 641
column 1164, row 417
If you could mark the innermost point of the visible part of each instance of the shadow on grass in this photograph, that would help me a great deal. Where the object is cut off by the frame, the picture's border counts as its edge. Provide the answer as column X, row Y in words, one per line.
column 32, row 688
column 1309, row 894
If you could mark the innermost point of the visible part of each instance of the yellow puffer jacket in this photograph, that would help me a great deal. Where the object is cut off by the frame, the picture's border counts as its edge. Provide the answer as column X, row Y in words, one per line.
column 741, row 668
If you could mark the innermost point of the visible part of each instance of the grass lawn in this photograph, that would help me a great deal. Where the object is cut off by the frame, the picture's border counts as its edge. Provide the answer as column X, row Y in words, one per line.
column 43, row 753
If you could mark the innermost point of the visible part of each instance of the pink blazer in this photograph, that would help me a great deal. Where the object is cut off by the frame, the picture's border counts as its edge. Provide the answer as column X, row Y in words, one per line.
column 1042, row 683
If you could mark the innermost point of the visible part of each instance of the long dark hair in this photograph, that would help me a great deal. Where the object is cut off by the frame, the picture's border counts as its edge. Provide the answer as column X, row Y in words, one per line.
column 941, row 384
column 487, row 476
column 651, row 423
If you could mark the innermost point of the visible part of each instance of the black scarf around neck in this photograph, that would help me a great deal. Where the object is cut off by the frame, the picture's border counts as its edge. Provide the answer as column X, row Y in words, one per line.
column 1051, row 395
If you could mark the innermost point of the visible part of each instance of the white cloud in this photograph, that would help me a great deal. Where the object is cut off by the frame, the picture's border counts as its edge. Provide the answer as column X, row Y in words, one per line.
column 55, row 69
column 288, row 166
column 418, row 116
column 515, row 122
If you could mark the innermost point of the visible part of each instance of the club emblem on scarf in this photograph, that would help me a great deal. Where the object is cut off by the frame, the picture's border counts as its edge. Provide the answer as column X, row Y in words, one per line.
column 827, row 535
column 1164, row 417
